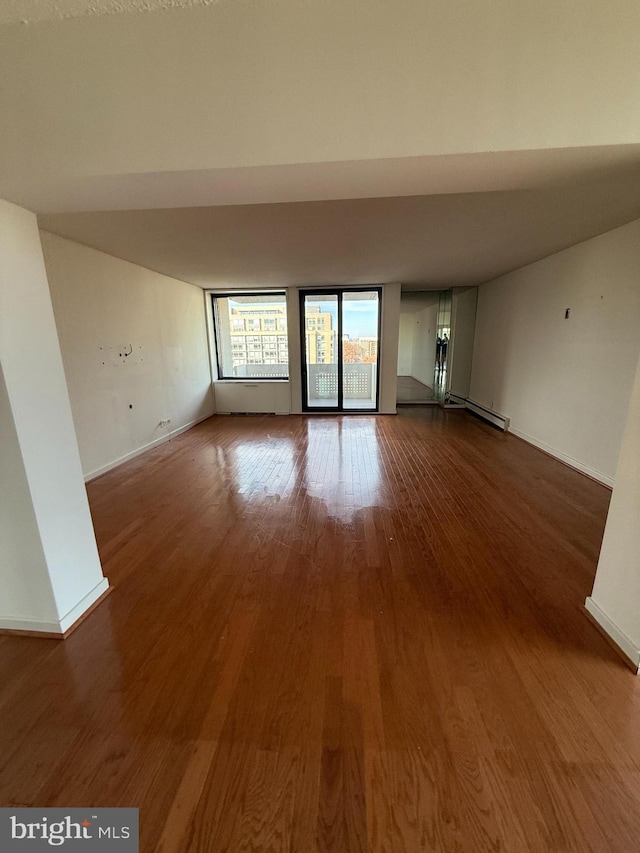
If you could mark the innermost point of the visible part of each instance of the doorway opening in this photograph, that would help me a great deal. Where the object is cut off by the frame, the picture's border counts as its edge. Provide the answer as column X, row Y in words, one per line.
column 418, row 346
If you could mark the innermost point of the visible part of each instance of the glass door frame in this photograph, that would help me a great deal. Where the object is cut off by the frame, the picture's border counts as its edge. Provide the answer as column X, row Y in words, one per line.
column 338, row 292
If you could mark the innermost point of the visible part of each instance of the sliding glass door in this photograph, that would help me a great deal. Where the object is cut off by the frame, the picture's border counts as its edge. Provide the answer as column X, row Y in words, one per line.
column 340, row 349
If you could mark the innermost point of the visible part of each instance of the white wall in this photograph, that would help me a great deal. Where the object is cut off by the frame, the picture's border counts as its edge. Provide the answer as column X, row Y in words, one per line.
column 50, row 571
column 565, row 384
column 615, row 600
column 258, row 83
column 405, row 342
column 102, row 305
column 389, row 328
column 460, row 349
column 25, row 588
column 424, row 343
column 295, row 349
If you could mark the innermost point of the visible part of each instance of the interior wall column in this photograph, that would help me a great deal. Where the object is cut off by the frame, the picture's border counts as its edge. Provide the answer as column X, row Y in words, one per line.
column 615, row 600
column 50, row 572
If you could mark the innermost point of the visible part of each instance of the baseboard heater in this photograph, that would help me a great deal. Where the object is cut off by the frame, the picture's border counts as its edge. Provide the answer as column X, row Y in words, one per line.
column 495, row 418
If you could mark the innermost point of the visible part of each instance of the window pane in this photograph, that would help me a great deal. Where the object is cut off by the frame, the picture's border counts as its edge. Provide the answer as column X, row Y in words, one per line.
column 248, row 345
column 321, row 349
column 359, row 349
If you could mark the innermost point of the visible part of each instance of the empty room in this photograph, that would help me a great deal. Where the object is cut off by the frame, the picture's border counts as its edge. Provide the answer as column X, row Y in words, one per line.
column 319, row 419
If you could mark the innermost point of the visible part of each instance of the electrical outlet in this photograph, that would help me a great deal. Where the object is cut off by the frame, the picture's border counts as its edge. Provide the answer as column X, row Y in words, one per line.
column 165, row 422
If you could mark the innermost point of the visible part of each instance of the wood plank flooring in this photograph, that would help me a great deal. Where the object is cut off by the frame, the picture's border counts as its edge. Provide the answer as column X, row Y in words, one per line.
column 337, row 634
column 410, row 390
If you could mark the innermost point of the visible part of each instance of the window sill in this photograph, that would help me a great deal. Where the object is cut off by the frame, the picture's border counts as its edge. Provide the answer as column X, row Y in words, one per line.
column 251, row 381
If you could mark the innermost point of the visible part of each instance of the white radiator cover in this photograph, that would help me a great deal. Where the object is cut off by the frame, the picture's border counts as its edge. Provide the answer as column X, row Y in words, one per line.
column 495, row 418
column 252, row 397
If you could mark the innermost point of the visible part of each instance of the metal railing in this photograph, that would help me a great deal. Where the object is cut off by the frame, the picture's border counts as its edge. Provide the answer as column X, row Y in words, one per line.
column 359, row 382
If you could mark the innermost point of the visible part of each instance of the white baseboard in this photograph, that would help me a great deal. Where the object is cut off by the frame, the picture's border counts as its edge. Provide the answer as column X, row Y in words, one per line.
column 140, row 450
column 61, row 626
column 83, row 605
column 626, row 646
column 31, row 626
column 568, row 460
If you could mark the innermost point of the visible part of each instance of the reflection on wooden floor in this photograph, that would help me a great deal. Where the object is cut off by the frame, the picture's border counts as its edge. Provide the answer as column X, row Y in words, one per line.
column 410, row 390
column 337, row 634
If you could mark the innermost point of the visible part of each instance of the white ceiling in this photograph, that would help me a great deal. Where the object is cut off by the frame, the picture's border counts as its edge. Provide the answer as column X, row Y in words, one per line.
column 278, row 142
column 65, row 190
column 425, row 242
column 32, row 11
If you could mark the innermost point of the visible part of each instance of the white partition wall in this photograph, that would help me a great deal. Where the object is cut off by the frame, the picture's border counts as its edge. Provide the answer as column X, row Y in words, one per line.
column 50, row 572
column 615, row 600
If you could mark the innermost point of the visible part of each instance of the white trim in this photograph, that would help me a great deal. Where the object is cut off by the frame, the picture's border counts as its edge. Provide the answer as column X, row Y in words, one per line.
column 454, row 401
column 457, row 399
column 10, row 623
column 629, row 649
column 83, row 605
column 140, row 450
column 568, row 460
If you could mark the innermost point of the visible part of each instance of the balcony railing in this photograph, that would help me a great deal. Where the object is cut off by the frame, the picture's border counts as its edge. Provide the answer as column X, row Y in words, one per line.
column 359, row 385
column 261, row 371
column 359, row 382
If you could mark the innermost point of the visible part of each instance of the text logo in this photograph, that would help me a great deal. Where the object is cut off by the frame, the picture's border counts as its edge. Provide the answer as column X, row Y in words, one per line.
column 105, row 830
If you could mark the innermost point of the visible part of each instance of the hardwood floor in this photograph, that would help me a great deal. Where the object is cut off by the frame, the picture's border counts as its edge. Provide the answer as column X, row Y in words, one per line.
column 410, row 390
column 337, row 634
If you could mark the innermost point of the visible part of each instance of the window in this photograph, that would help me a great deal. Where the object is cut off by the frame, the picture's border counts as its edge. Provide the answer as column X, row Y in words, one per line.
column 241, row 353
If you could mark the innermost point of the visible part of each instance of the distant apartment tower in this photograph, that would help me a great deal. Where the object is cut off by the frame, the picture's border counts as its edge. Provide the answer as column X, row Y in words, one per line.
column 256, row 338
column 369, row 347
column 320, row 336
column 258, row 335
column 360, row 349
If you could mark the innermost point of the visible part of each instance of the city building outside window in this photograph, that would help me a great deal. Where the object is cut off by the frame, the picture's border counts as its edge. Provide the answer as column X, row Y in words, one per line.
column 240, row 352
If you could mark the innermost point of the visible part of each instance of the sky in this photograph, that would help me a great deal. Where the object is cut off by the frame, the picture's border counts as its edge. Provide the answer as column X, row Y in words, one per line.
column 360, row 317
